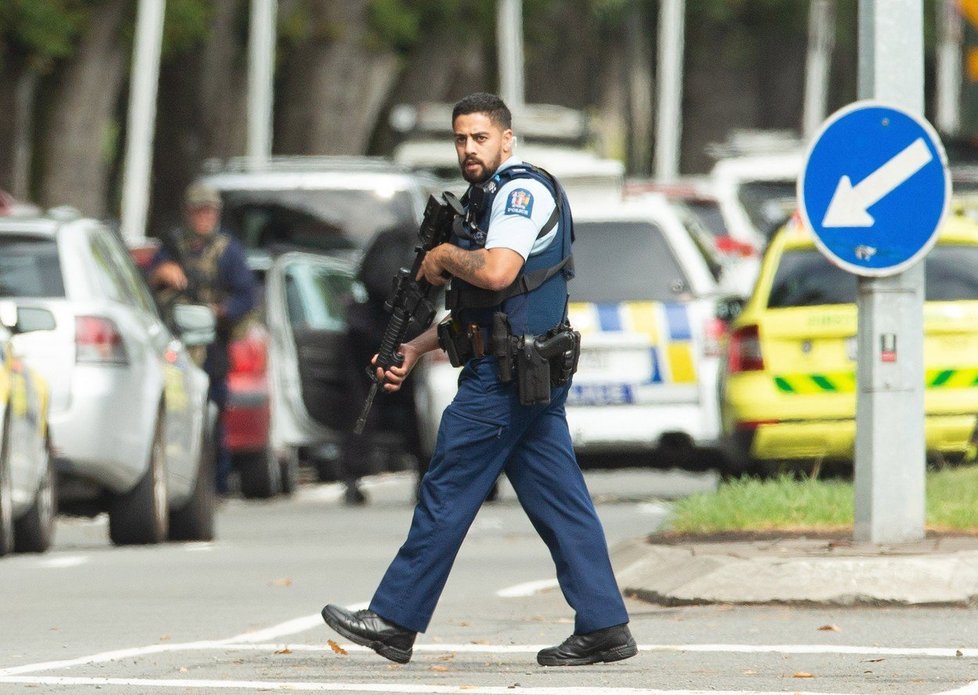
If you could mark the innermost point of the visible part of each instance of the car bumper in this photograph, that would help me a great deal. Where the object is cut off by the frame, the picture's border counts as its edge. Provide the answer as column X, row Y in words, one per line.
column 103, row 437
column 948, row 435
column 596, row 429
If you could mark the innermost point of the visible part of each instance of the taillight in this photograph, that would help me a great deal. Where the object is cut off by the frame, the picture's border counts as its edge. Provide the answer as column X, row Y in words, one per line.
column 248, row 355
column 714, row 336
column 744, row 353
column 97, row 339
column 731, row 247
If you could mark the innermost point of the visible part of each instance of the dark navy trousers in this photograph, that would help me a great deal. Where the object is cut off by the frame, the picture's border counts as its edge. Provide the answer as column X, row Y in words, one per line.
column 484, row 432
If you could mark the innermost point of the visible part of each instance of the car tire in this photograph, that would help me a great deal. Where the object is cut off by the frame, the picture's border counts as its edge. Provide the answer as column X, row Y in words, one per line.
column 35, row 529
column 141, row 516
column 195, row 520
column 6, row 497
column 260, row 474
column 290, row 470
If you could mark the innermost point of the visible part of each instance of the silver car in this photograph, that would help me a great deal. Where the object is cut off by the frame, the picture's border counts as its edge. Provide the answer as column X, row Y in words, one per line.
column 130, row 421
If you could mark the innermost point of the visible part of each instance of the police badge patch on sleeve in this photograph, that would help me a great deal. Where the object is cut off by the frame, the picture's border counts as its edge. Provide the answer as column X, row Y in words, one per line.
column 520, row 202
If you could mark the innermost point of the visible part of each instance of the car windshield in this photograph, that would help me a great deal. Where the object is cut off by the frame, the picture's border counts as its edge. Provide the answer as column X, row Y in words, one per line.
column 625, row 261
column 29, row 267
column 768, row 203
column 314, row 220
column 317, row 296
column 807, row 278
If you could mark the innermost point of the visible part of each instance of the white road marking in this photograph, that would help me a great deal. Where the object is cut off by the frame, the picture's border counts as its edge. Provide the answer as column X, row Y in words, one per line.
column 62, row 561
column 254, row 641
column 969, row 689
column 527, row 588
column 368, row 688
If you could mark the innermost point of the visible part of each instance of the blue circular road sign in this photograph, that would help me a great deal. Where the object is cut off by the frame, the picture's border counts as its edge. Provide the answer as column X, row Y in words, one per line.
column 875, row 188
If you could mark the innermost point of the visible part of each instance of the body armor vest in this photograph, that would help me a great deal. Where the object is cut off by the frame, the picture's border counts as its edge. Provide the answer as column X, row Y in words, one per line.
column 537, row 299
column 200, row 264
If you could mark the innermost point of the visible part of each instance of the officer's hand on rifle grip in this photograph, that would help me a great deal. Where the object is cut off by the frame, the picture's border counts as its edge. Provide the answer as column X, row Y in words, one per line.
column 396, row 374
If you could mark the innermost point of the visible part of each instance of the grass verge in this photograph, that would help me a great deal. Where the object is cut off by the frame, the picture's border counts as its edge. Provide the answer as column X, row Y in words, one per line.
column 786, row 504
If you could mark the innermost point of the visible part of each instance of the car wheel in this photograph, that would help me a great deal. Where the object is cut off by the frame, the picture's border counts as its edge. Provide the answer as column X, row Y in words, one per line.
column 6, row 497
column 33, row 531
column 290, row 470
column 195, row 520
column 260, row 474
column 141, row 516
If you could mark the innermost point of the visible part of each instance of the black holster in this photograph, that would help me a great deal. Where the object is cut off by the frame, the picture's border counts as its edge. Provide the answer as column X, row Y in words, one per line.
column 540, row 362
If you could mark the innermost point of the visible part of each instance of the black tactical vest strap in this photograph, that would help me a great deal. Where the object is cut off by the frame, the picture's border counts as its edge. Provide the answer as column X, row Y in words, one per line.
column 478, row 298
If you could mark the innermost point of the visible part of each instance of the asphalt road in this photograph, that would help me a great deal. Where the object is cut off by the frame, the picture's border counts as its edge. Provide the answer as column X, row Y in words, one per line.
column 241, row 615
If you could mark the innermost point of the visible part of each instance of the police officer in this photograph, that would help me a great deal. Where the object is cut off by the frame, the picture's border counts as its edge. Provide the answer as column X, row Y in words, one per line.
column 203, row 264
column 513, row 258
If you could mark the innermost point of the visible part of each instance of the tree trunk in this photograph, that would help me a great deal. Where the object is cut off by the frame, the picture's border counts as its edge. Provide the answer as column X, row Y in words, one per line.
column 335, row 84
column 202, row 110
column 81, row 137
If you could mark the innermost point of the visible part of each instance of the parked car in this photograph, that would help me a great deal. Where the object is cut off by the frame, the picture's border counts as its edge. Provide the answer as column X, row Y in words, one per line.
column 788, row 388
column 643, row 299
column 327, row 205
column 306, row 298
column 332, row 205
column 130, row 422
column 27, row 482
column 756, row 193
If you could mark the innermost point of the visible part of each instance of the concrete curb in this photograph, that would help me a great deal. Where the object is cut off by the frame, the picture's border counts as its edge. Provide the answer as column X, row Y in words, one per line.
column 750, row 573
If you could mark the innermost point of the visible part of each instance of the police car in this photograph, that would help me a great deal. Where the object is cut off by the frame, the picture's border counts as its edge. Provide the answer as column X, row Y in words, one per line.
column 788, row 386
column 643, row 299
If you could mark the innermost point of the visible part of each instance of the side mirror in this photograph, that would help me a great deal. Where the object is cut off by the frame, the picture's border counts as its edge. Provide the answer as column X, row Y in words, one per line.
column 195, row 323
column 729, row 308
column 25, row 319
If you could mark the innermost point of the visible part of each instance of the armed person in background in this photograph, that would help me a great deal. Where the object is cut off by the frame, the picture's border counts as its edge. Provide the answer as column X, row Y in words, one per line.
column 203, row 265
column 388, row 251
column 509, row 264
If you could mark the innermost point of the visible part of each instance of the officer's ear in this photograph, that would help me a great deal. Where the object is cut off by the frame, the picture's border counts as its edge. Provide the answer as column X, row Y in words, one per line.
column 508, row 142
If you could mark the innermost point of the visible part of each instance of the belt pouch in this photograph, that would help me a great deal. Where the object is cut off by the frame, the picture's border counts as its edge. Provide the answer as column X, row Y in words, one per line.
column 454, row 342
column 532, row 373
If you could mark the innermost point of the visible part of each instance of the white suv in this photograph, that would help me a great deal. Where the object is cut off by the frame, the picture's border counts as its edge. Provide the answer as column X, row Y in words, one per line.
column 332, row 205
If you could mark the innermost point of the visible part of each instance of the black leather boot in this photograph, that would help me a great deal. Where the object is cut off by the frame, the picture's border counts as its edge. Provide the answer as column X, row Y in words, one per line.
column 610, row 644
column 368, row 629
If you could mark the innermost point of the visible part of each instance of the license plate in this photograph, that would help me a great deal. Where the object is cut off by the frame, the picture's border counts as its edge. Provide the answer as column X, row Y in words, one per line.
column 600, row 394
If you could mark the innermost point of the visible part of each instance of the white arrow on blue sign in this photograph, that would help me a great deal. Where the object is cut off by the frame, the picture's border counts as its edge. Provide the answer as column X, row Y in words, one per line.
column 875, row 188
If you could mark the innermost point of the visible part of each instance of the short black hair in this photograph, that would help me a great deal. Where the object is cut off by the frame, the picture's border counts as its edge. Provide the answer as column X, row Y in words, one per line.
column 489, row 104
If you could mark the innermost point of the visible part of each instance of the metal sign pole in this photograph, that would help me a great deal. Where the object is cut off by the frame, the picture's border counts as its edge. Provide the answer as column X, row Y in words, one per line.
column 141, row 120
column 890, row 450
column 261, row 80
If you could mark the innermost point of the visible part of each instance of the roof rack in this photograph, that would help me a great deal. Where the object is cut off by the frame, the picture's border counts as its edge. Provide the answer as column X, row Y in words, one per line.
column 292, row 163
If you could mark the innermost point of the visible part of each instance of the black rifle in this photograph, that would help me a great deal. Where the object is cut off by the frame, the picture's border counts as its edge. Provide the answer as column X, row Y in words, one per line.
column 411, row 299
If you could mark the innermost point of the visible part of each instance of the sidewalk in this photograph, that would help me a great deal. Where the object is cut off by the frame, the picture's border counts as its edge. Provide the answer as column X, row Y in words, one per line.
column 836, row 571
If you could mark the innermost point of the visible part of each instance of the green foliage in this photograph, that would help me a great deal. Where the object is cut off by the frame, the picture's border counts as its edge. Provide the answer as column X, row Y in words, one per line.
column 40, row 33
column 395, row 24
column 185, row 24
column 787, row 504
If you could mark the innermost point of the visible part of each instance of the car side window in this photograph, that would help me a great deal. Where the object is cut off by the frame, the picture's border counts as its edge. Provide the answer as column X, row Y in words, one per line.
column 106, row 276
column 317, row 297
column 137, row 293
